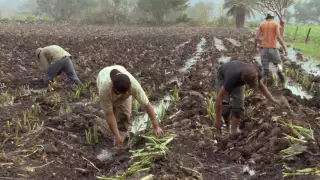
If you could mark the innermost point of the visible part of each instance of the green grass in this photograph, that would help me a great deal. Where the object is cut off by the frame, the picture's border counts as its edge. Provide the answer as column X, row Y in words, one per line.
column 312, row 47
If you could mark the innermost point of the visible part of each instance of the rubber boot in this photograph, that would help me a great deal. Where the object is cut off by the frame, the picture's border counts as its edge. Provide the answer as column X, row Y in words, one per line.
column 282, row 79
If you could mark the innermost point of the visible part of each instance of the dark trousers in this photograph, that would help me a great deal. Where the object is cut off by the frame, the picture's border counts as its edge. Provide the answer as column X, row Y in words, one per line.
column 65, row 65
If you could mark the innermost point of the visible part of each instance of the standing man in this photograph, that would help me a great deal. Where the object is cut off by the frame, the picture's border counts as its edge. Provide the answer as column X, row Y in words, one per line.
column 54, row 60
column 269, row 52
column 231, row 78
column 116, row 87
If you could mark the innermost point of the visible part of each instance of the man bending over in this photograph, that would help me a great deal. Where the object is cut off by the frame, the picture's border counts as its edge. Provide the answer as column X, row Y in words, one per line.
column 54, row 60
column 116, row 87
column 231, row 78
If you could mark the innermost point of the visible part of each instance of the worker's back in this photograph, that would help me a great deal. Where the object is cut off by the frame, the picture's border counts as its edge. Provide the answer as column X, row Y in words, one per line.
column 269, row 30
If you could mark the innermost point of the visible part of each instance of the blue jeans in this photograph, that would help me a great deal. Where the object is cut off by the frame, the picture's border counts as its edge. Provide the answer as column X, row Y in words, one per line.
column 269, row 55
column 65, row 65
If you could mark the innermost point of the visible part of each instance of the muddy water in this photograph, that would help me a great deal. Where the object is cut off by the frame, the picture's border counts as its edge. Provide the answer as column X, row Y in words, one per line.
column 234, row 42
column 224, row 59
column 140, row 123
column 295, row 88
column 219, row 44
column 310, row 66
column 195, row 58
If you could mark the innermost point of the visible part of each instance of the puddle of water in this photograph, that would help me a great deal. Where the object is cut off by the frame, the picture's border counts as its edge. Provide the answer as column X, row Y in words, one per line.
column 224, row 59
column 180, row 45
column 234, row 42
column 309, row 66
column 295, row 88
column 195, row 58
column 140, row 123
column 219, row 44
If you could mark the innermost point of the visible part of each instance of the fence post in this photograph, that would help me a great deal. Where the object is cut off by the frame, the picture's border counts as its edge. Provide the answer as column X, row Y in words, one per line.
column 295, row 34
column 307, row 38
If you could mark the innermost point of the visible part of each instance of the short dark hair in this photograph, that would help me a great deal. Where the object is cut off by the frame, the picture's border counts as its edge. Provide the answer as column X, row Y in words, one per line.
column 250, row 75
column 269, row 17
column 121, row 82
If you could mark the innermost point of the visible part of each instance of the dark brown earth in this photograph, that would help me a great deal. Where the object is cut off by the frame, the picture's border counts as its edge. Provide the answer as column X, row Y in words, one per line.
column 58, row 149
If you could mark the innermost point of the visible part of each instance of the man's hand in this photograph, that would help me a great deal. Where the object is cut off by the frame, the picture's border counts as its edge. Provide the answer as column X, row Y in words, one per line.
column 119, row 142
column 285, row 52
column 158, row 131
column 218, row 127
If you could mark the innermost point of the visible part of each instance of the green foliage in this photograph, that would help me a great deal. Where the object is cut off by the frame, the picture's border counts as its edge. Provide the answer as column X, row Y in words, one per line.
column 200, row 12
column 183, row 19
column 239, row 9
column 159, row 8
column 313, row 45
column 307, row 11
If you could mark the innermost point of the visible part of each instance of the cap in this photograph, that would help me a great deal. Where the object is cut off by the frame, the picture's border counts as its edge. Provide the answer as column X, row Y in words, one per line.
column 270, row 13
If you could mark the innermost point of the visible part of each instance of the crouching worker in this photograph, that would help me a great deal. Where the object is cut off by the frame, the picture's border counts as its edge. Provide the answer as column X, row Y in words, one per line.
column 116, row 88
column 54, row 60
column 231, row 78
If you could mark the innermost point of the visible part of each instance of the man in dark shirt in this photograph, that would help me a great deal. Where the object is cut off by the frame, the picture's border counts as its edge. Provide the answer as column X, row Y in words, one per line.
column 231, row 78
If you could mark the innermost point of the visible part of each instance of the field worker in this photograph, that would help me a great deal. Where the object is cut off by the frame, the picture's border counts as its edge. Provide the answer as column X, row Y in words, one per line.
column 54, row 60
column 231, row 78
column 269, row 52
column 116, row 87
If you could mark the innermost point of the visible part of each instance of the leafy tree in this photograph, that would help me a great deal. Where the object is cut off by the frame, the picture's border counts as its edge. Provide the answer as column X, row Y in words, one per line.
column 307, row 12
column 62, row 9
column 239, row 9
column 159, row 8
column 200, row 12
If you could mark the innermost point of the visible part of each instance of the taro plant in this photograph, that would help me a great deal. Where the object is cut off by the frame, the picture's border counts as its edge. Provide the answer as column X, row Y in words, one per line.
column 303, row 172
column 175, row 98
column 162, row 112
column 95, row 134
column 6, row 99
column 210, row 107
column 88, row 136
column 68, row 108
column 248, row 92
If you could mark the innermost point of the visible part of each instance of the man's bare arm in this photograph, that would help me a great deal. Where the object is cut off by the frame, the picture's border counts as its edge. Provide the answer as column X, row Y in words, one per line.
column 257, row 38
column 218, row 108
column 112, row 122
column 264, row 90
column 152, row 115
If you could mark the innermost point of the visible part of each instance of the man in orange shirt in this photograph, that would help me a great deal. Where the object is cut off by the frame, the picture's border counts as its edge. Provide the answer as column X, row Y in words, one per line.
column 269, row 52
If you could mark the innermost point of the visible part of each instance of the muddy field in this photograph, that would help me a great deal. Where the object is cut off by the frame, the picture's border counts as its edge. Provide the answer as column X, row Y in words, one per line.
column 43, row 132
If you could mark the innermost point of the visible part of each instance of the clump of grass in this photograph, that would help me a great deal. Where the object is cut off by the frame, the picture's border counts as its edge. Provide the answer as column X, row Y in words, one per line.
column 143, row 158
column 175, row 98
column 6, row 99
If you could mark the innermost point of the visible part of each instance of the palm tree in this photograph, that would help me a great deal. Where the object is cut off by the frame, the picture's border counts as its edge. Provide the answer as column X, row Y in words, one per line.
column 240, row 9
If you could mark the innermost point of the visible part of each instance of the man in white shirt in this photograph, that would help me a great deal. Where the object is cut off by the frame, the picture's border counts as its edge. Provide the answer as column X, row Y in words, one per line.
column 54, row 60
column 116, row 87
